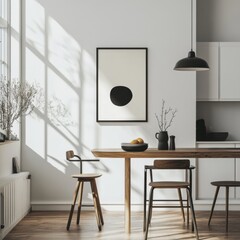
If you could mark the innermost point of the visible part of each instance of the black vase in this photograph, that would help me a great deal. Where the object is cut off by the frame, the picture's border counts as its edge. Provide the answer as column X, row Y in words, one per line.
column 162, row 140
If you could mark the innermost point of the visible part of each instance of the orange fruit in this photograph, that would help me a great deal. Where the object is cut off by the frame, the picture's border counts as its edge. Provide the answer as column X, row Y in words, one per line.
column 140, row 140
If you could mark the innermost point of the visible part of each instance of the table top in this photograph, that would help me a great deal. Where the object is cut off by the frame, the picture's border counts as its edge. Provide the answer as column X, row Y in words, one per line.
column 178, row 153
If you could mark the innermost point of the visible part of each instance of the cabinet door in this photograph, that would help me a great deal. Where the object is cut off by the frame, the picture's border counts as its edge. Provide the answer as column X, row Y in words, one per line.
column 207, row 81
column 230, row 71
column 213, row 169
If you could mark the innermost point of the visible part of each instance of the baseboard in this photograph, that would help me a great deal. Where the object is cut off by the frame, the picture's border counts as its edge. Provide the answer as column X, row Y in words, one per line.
column 199, row 205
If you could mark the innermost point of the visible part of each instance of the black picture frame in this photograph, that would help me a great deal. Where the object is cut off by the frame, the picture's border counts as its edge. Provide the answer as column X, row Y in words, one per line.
column 121, row 84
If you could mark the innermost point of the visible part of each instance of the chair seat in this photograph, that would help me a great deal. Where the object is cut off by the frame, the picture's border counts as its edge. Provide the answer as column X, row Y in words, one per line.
column 87, row 176
column 226, row 183
column 171, row 184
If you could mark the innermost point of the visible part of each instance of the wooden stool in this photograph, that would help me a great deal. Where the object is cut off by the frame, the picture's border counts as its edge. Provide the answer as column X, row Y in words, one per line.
column 225, row 184
column 82, row 178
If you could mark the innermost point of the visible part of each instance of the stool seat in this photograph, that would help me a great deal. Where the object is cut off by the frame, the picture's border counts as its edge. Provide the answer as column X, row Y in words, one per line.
column 86, row 176
column 226, row 183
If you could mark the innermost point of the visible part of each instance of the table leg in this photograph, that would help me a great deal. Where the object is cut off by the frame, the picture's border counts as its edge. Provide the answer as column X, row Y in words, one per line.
column 127, row 195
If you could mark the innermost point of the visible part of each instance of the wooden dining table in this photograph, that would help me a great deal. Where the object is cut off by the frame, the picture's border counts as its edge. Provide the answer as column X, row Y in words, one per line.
column 155, row 153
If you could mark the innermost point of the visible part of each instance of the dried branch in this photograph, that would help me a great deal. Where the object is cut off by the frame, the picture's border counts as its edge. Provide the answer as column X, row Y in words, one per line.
column 163, row 122
column 16, row 99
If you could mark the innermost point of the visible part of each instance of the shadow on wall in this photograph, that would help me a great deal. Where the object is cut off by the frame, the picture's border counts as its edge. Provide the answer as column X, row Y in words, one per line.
column 55, row 61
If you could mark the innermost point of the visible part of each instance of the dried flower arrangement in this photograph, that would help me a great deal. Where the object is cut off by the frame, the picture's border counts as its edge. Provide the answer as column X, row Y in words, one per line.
column 165, row 121
column 16, row 99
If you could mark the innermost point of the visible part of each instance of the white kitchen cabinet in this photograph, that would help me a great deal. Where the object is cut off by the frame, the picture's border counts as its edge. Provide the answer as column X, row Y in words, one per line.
column 213, row 169
column 208, row 81
column 230, row 71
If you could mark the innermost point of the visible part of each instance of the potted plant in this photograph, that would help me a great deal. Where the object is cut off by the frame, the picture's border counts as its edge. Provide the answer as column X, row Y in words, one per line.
column 16, row 100
column 164, row 122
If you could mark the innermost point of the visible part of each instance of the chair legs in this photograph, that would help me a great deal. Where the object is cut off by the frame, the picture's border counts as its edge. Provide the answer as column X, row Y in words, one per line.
column 96, row 202
column 150, row 207
column 193, row 213
column 145, row 201
column 149, row 212
column 181, row 203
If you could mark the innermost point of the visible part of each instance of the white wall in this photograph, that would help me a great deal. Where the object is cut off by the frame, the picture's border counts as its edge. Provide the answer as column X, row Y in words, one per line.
column 59, row 52
column 218, row 20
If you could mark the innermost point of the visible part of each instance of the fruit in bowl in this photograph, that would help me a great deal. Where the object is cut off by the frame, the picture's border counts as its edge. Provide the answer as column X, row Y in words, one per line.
column 136, row 145
column 137, row 141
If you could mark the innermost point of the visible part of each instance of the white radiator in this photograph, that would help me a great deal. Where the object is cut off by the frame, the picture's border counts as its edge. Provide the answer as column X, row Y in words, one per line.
column 15, row 201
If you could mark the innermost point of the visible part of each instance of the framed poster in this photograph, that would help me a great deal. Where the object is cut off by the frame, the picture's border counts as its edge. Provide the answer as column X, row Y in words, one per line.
column 121, row 84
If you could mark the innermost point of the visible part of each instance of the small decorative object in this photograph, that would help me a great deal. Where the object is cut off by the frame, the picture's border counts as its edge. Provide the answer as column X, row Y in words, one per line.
column 136, row 145
column 15, row 166
column 16, row 100
column 162, row 137
column 201, row 130
column 217, row 136
column 164, row 122
column 121, row 85
column 172, row 143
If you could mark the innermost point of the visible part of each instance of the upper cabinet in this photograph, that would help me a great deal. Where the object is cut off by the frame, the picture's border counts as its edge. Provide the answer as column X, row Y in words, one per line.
column 208, row 81
column 222, row 81
column 230, row 71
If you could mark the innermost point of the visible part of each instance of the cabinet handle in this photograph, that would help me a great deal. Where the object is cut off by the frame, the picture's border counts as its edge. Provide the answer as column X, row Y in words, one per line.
column 2, row 226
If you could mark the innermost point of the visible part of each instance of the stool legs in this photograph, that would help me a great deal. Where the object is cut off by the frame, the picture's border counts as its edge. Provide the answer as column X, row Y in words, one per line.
column 73, row 205
column 95, row 201
column 227, row 201
column 98, row 202
column 80, row 201
column 214, row 202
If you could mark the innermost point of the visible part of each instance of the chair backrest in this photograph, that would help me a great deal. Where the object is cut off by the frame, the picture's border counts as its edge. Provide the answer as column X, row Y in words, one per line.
column 172, row 164
column 69, row 154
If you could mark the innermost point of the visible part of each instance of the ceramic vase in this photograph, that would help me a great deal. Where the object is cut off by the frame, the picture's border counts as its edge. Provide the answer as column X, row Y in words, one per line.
column 162, row 138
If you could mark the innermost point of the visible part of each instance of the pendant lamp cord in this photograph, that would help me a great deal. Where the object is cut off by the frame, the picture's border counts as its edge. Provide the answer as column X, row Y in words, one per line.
column 191, row 25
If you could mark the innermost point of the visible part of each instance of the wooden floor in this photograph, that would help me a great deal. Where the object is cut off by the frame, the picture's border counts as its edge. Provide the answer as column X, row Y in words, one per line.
column 165, row 226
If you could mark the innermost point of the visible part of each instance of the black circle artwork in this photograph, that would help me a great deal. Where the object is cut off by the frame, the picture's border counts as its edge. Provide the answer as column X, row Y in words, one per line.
column 120, row 95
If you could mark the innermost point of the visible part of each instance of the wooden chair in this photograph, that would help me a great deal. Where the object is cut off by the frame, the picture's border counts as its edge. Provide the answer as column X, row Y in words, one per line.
column 150, row 168
column 225, row 184
column 81, row 179
column 172, row 164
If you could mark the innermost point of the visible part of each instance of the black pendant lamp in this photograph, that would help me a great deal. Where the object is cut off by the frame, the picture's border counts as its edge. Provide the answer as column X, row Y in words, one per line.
column 191, row 63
